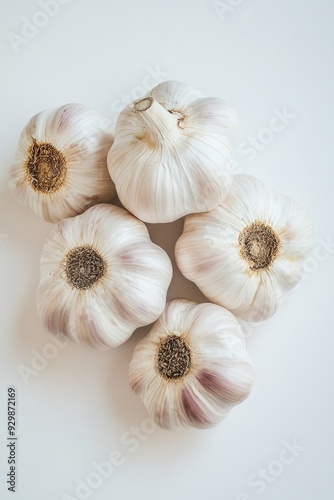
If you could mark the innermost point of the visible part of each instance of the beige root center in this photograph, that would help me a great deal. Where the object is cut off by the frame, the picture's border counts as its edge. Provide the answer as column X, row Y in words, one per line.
column 173, row 358
column 259, row 245
column 45, row 167
column 84, row 267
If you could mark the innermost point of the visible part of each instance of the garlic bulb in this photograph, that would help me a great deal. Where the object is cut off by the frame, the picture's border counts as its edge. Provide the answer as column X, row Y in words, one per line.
column 101, row 277
column 60, row 168
column 192, row 367
column 247, row 252
column 172, row 153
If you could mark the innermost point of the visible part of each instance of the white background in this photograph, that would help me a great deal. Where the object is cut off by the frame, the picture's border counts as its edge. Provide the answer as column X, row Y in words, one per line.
column 261, row 56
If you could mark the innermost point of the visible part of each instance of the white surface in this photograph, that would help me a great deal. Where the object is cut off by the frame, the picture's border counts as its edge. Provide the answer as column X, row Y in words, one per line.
column 264, row 55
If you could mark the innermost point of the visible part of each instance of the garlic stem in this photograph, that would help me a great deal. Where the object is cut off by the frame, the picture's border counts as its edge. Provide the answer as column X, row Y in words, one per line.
column 160, row 123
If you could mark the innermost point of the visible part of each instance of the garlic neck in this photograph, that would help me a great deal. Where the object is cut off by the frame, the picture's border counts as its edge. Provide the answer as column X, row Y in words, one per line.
column 161, row 124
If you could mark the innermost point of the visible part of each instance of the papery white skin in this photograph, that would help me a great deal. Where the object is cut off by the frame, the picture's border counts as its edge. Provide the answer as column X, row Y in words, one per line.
column 208, row 252
column 131, row 294
column 162, row 171
column 221, row 374
column 78, row 133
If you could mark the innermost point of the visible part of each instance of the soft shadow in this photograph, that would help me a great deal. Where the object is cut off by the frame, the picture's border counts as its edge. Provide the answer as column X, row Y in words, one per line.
column 166, row 236
column 23, row 227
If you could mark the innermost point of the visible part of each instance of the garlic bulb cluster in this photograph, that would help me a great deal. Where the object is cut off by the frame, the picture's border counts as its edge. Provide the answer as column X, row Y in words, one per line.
column 246, row 253
column 172, row 153
column 101, row 277
column 60, row 168
column 192, row 367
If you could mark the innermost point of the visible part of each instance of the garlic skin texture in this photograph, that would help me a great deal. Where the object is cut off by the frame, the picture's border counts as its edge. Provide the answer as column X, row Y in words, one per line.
column 192, row 367
column 172, row 153
column 101, row 277
column 60, row 168
column 246, row 253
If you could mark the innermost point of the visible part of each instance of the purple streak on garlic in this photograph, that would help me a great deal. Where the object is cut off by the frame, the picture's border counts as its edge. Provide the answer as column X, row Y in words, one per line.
column 101, row 277
column 247, row 252
column 192, row 367
column 60, row 168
